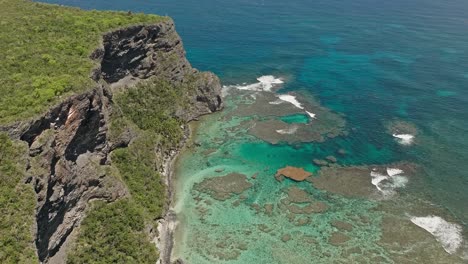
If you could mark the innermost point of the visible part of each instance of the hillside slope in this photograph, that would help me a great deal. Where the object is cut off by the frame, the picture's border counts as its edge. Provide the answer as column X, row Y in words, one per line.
column 100, row 114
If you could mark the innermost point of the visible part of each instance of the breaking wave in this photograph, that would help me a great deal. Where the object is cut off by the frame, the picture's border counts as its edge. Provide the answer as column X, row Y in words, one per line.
column 287, row 131
column 393, row 171
column 291, row 99
column 312, row 115
column 387, row 182
column 404, row 139
column 448, row 234
column 265, row 83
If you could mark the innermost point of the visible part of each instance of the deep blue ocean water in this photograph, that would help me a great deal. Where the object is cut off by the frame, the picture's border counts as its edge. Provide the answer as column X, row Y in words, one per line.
column 370, row 61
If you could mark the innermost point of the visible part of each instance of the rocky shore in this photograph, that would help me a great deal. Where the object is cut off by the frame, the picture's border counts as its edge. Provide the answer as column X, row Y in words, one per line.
column 164, row 239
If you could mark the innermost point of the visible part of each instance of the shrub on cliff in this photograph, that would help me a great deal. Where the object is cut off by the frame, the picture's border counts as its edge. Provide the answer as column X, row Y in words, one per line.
column 152, row 106
column 149, row 110
column 113, row 233
column 138, row 170
column 17, row 202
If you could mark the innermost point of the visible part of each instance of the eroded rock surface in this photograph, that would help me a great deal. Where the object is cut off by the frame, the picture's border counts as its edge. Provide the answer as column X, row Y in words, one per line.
column 141, row 52
column 68, row 154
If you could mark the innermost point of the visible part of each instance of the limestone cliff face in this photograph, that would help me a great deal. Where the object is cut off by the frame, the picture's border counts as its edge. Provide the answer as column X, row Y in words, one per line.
column 69, row 146
column 139, row 52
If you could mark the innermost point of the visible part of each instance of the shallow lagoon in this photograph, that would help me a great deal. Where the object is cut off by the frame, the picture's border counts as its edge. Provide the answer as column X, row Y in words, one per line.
column 343, row 212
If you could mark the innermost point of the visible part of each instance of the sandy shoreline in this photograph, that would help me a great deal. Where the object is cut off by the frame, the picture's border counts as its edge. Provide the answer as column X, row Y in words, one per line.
column 166, row 226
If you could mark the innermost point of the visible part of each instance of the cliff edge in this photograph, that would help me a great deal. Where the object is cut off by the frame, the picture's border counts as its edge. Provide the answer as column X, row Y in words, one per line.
column 71, row 146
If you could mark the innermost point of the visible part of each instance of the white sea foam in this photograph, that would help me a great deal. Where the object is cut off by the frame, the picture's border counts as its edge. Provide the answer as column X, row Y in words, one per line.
column 265, row 83
column 291, row 99
column 387, row 183
column 287, row 131
column 377, row 178
column 393, row 171
column 312, row 115
column 448, row 234
column 277, row 102
column 404, row 139
column 224, row 91
column 268, row 81
column 399, row 181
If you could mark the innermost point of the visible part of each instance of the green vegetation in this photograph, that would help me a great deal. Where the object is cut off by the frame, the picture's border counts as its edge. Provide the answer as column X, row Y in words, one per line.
column 149, row 109
column 136, row 165
column 152, row 105
column 45, row 52
column 17, row 202
column 113, row 233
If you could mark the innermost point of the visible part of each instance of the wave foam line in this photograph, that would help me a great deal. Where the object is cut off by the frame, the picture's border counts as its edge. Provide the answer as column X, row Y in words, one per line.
column 291, row 99
column 387, row 184
column 277, row 102
column 404, row 139
column 287, row 131
column 265, row 83
column 377, row 178
column 312, row 115
column 393, row 171
column 448, row 234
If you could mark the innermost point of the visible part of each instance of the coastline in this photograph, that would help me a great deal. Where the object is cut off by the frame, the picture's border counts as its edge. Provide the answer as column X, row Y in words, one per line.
column 187, row 239
column 166, row 228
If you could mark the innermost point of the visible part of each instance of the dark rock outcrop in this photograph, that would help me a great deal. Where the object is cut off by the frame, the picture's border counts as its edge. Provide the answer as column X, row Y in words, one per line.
column 54, row 169
column 140, row 52
column 69, row 145
column 68, row 152
column 143, row 51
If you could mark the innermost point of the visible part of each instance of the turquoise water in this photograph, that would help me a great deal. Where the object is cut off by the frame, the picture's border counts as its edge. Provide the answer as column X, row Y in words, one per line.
column 296, row 118
column 374, row 64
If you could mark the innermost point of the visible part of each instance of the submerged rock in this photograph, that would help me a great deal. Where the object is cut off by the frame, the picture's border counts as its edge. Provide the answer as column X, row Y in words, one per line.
column 331, row 159
column 337, row 239
column 401, row 127
column 286, row 237
column 347, row 181
column 268, row 110
column 364, row 181
column 320, row 162
column 342, row 152
column 269, row 209
column 222, row 188
column 316, row 207
column 403, row 132
column 299, row 203
column 298, row 195
column 342, row 225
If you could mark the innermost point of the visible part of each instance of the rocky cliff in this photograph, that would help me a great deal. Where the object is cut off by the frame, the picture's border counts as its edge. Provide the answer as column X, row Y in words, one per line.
column 69, row 146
